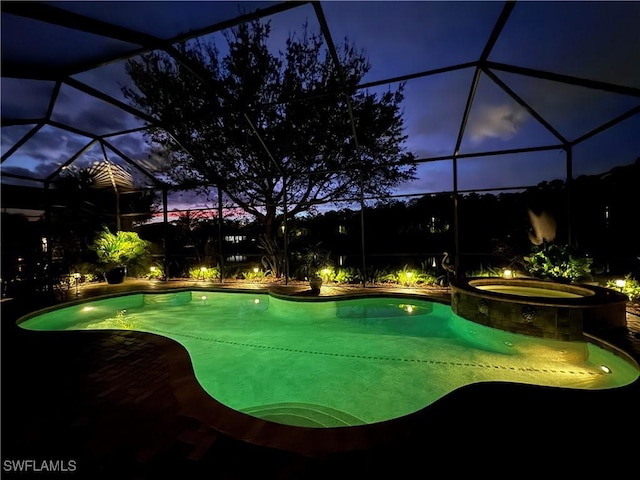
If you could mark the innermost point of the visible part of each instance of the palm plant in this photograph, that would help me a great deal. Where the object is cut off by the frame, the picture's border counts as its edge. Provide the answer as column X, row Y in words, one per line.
column 120, row 250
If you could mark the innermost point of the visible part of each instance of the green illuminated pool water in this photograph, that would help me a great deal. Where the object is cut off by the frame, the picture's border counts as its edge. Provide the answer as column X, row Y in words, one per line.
column 339, row 362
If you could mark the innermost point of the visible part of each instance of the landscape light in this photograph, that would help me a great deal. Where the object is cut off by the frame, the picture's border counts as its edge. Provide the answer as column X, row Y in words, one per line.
column 77, row 277
column 620, row 283
column 506, row 273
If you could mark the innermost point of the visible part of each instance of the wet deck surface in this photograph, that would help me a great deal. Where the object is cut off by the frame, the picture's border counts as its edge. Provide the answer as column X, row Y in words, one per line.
column 125, row 405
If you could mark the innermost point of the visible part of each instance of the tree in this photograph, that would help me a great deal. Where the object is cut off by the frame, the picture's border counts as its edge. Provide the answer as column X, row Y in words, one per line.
column 272, row 131
column 194, row 229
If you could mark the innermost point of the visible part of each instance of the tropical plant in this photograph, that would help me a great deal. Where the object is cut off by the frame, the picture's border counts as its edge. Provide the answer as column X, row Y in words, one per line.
column 316, row 259
column 348, row 275
column 558, row 262
column 155, row 272
column 121, row 249
column 411, row 277
column 374, row 274
column 273, row 259
column 407, row 277
column 487, row 271
column 256, row 275
column 629, row 286
column 204, row 273
column 88, row 271
column 269, row 129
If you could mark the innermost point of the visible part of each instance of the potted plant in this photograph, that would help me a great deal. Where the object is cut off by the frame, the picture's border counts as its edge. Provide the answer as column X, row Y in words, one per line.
column 315, row 259
column 119, row 251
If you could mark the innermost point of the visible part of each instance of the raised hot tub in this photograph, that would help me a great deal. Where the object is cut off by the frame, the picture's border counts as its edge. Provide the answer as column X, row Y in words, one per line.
column 538, row 307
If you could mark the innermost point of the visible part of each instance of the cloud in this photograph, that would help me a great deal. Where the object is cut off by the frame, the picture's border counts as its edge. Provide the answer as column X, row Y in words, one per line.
column 79, row 110
column 134, row 145
column 51, row 145
column 25, row 98
column 432, row 177
column 497, row 121
column 15, row 170
column 99, row 118
column 186, row 199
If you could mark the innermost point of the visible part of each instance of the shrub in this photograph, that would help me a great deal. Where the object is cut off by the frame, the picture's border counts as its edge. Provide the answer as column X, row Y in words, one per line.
column 631, row 288
column 488, row 271
column 88, row 271
column 121, row 249
column 316, row 259
column 204, row 273
column 376, row 275
column 155, row 273
column 256, row 276
column 348, row 275
column 411, row 277
column 557, row 262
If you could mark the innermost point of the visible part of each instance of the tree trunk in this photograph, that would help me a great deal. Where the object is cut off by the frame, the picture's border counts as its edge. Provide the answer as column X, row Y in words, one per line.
column 273, row 253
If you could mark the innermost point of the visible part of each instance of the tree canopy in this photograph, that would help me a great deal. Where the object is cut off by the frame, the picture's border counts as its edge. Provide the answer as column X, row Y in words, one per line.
column 272, row 131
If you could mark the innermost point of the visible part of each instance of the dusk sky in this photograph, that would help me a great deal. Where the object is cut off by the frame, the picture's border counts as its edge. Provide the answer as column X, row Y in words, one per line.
column 594, row 41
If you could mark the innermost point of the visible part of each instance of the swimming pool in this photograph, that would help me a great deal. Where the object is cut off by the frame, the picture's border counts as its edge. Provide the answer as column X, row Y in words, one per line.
column 339, row 362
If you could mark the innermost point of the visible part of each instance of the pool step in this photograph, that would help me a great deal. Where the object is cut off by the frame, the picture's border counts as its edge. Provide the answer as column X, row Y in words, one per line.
column 303, row 415
column 178, row 298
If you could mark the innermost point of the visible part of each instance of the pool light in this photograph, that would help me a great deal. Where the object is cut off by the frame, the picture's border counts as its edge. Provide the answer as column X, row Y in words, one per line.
column 256, row 301
column 407, row 308
column 87, row 308
column 605, row 369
